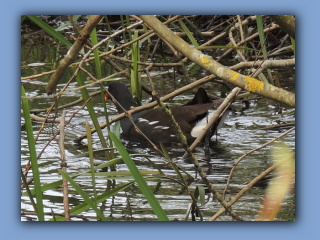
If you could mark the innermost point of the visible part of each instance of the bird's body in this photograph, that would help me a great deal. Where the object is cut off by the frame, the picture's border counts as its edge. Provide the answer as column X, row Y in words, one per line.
column 155, row 123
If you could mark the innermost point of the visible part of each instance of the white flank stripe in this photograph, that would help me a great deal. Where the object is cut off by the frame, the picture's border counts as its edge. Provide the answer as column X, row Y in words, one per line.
column 195, row 132
column 161, row 127
column 154, row 122
column 142, row 120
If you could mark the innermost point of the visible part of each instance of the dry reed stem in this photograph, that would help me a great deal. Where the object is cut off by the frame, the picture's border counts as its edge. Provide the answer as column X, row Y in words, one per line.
column 64, row 167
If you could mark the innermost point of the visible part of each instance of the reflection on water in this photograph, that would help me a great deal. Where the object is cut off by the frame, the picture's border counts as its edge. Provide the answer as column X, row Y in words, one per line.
column 239, row 134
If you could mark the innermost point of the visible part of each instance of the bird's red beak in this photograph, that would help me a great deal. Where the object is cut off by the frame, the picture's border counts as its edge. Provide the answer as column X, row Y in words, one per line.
column 107, row 96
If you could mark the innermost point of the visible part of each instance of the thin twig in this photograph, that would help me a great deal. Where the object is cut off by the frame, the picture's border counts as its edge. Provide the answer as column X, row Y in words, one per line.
column 50, row 140
column 235, row 44
column 66, row 105
column 240, row 28
column 271, row 28
column 249, row 152
column 250, row 185
column 40, row 119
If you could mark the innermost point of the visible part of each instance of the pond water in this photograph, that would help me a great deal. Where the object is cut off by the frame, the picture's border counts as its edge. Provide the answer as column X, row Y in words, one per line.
column 241, row 132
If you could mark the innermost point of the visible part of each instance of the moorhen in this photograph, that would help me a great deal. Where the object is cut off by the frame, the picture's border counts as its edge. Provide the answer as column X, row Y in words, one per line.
column 154, row 123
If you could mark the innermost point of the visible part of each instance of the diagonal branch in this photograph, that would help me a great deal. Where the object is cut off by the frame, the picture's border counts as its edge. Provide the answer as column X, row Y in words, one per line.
column 73, row 52
column 250, row 84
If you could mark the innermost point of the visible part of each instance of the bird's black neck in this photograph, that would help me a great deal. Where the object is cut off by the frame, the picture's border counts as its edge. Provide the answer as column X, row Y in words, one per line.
column 123, row 96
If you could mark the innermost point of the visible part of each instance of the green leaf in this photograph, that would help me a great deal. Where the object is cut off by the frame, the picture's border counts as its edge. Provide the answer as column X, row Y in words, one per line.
column 100, row 198
column 189, row 34
column 116, row 129
column 58, row 183
column 263, row 47
column 83, row 195
column 92, row 114
column 200, row 192
column 49, row 30
column 67, row 23
column 135, row 75
column 140, row 180
column 90, row 150
column 94, row 40
column 33, row 154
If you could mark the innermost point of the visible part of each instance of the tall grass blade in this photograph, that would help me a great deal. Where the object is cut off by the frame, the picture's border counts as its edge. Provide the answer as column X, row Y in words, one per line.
column 33, row 155
column 125, row 39
column 189, row 34
column 83, row 195
column 174, row 166
column 100, row 198
column 200, row 192
column 46, row 187
column 263, row 45
column 261, row 34
column 135, row 75
column 94, row 41
column 194, row 68
column 92, row 114
column 23, row 18
column 49, row 30
column 140, row 180
column 90, row 150
column 29, row 193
